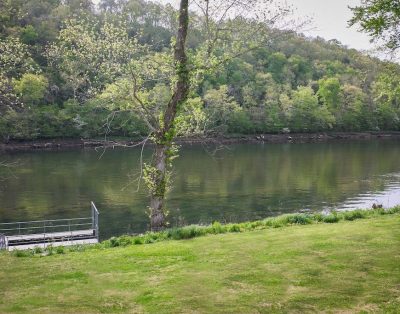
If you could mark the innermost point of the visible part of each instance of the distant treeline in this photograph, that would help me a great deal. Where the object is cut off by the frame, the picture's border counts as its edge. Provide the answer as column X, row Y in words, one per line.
column 61, row 76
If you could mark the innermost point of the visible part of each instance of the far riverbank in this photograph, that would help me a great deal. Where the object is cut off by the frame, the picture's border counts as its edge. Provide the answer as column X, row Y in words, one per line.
column 60, row 143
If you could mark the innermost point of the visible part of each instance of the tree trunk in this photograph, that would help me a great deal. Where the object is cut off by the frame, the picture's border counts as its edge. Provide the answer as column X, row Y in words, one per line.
column 166, row 133
column 157, row 197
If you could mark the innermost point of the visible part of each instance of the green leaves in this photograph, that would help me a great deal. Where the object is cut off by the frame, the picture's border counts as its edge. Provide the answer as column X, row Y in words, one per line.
column 88, row 56
column 307, row 114
column 31, row 88
column 15, row 58
column 380, row 19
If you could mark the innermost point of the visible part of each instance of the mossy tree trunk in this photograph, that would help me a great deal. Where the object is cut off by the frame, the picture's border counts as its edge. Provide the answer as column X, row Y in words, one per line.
column 164, row 136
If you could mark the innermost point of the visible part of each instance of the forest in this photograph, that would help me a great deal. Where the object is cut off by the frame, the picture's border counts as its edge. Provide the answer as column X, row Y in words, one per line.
column 67, row 70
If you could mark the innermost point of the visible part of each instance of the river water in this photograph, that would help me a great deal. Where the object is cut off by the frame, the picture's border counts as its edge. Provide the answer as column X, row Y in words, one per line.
column 237, row 183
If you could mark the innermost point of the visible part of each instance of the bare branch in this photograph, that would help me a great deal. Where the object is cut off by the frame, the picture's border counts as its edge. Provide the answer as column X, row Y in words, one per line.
column 140, row 176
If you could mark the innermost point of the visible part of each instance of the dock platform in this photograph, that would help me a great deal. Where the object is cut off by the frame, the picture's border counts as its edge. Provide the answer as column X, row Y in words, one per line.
column 23, row 235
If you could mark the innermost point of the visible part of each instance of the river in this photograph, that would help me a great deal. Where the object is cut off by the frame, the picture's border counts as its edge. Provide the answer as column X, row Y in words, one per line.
column 239, row 182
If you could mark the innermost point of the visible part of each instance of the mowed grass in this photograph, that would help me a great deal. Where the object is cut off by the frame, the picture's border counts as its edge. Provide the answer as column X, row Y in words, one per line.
column 347, row 267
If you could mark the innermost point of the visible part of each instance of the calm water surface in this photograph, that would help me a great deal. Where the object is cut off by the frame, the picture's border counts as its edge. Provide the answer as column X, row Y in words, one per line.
column 245, row 181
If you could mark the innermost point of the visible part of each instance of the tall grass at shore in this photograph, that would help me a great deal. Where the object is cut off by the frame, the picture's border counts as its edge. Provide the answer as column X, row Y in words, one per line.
column 193, row 231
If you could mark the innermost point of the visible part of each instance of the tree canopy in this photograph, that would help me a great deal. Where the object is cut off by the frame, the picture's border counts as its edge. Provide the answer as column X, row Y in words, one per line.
column 381, row 20
column 81, row 60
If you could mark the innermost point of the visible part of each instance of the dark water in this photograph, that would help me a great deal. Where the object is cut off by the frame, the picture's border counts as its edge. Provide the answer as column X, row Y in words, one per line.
column 247, row 181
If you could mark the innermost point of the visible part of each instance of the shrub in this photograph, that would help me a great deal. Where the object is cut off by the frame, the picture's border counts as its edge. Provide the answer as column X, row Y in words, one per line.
column 60, row 250
column 318, row 217
column 80, row 247
column 270, row 222
column 147, row 238
column 233, row 228
column 184, row 232
column 137, row 240
column 50, row 249
column 23, row 253
column 217, row 227
column 114, row 241
column 356, row 214
column 37, row 250
column 300, row 219
column 393, row 210
column 331, row 218
column 125, row 240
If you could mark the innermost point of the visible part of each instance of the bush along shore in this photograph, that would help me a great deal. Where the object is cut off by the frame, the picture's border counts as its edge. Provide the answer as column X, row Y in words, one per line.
column 193, row 231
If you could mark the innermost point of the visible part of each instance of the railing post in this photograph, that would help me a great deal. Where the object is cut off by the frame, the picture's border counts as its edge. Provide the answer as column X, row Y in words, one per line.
column 44, row 234
column 95, row 220
column 3, row 242
column 70, row 232
column 97, row 225
column 92, row 207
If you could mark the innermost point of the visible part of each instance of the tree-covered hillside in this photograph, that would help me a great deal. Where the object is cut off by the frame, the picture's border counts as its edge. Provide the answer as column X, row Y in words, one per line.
column 66, row 71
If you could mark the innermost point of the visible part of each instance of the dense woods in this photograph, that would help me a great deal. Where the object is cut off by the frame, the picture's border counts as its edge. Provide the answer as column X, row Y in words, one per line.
column 67, row 69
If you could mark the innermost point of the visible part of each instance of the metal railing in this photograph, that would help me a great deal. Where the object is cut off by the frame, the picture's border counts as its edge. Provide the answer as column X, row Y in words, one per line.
column 45, row 226
column 50, row 226
column 95, row 220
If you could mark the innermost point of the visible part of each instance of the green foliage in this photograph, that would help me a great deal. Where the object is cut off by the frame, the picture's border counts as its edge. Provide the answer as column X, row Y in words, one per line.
column 223, row 113
column 307, row 114
column 15, row 125
column 15, row 58
column 23, row 253
column 191, row 119
column 88, row 58
column 29, row 35
column 380, row 20
column 329, row 92
column 350, row 112
column 50, row 250
column 331, row 218
column 72, row 120
column 355, row 214
column 31, row 88
column 86, row 72
column 301, row 69
column 38, row 250
column 276, row 66
column 60, row 250
column 8, row 100
column 386, row 90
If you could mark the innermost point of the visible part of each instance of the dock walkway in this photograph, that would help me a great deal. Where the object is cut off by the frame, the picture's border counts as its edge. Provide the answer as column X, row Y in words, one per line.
column 24, row 235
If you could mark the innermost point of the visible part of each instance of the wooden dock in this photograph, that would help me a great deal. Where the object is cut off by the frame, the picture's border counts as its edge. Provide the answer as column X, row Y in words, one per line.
column 25, row 235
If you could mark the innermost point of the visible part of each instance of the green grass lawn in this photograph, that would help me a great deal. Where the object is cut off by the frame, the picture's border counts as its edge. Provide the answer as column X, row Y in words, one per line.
column 347, row 267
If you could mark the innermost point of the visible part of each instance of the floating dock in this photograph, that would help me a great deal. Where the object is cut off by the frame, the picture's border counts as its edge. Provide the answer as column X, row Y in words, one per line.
column 23, row 235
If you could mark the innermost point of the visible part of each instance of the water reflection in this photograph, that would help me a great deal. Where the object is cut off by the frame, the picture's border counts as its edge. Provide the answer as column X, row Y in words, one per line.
column 247, row 181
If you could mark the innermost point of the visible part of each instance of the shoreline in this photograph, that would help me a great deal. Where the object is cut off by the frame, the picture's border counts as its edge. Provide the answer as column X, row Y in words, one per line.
column 197, row 230
column 62, row 144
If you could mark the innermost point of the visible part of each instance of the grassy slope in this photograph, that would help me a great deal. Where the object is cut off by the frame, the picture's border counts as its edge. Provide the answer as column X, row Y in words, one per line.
column 349, row 266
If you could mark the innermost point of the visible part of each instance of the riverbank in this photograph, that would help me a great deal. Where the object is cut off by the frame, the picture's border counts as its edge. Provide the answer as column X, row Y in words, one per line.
column 350, row 266
column 57, row 144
